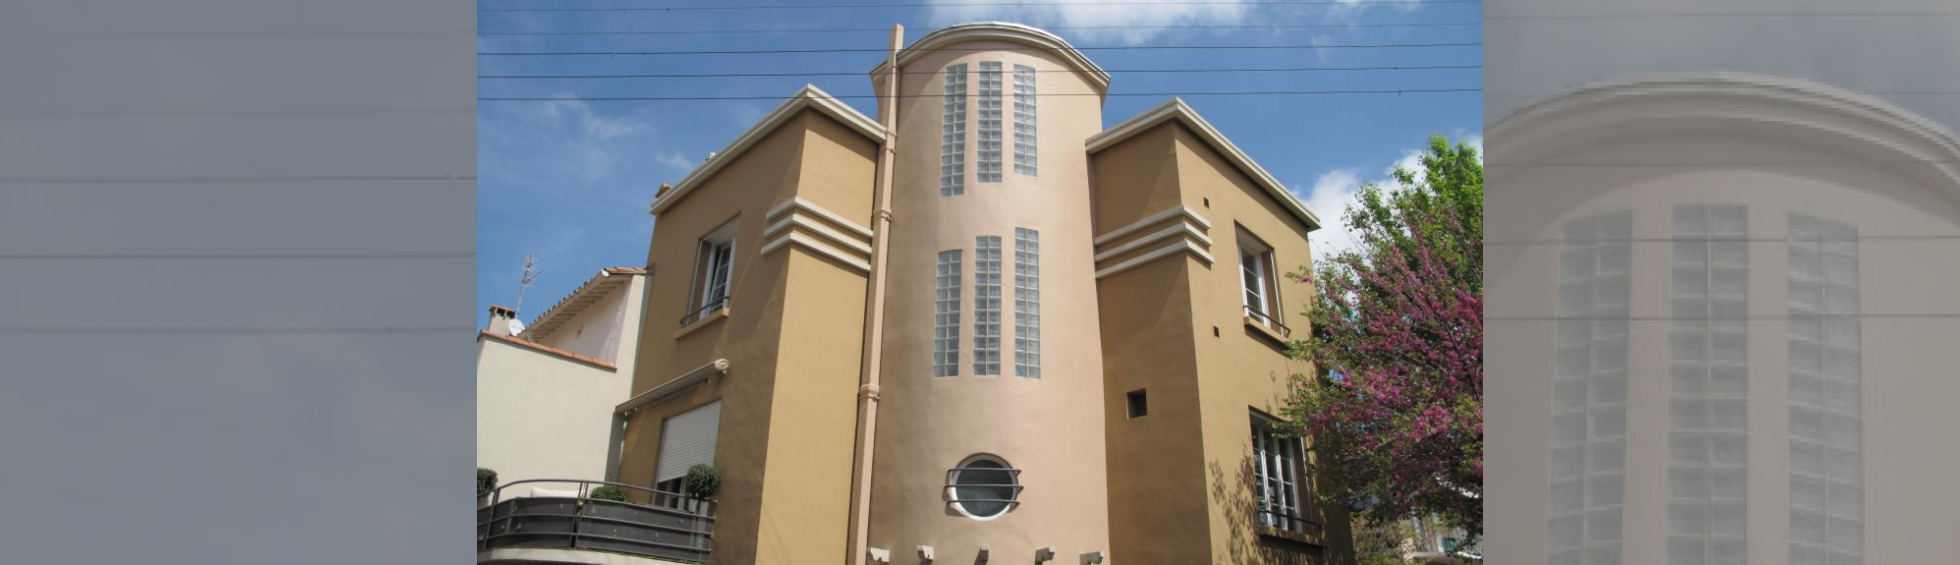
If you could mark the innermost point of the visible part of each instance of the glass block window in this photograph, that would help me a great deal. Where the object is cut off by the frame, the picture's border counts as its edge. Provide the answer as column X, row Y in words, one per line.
column 1708, row 389
column 1827, row 486
column 990, row 121
column 1027, row 303
column 952, row 133
column 946, row 316
column 986, row 305
column 1024, row 132
column 1589, row 392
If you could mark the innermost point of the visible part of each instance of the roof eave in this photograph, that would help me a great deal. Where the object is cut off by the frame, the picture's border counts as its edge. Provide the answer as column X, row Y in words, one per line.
column 592, row 289
column 1004, row 31
column 809, row 97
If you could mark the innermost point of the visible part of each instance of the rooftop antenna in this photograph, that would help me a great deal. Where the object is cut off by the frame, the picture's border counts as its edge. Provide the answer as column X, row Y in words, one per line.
column 531, row 274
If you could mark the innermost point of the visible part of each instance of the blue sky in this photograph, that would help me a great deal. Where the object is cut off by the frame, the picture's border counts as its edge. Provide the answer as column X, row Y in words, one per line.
column 571, row 181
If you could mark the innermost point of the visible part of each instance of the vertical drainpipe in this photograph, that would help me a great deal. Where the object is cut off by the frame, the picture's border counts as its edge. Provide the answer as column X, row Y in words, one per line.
column 874, row 311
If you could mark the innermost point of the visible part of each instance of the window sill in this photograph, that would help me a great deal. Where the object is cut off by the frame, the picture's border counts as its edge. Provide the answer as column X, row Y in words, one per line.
column 1285, row 536
column 705, row 321
column 1265, row 331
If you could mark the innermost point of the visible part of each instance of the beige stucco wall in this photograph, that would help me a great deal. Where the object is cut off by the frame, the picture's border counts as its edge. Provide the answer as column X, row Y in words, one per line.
column 541, row 416
column 1175, row 327
column 1051, row 428
column 1775, row 169
column 785, row 441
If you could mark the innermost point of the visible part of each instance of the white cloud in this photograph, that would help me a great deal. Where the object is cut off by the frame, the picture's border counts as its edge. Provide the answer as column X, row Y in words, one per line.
column 591, row 123
column 1127, row 25
column 1329, row 199
column 676, row 161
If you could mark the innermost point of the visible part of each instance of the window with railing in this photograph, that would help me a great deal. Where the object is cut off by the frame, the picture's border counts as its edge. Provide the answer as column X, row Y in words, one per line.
column 714, row 272
column 1277, row 463
column 1260, row 291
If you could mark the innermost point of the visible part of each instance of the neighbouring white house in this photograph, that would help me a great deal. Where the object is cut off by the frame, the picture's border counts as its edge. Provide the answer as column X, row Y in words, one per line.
column 545, row 392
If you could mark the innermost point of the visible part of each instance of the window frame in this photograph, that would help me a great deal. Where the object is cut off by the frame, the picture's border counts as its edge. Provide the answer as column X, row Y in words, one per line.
column 1014, row 485
column 1290, row 457
column 1260, row 255
column 719, row 242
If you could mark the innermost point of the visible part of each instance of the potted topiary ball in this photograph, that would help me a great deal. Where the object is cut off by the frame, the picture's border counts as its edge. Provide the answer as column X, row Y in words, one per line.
column 486, row 481
column 607, row 492
column 702, row 482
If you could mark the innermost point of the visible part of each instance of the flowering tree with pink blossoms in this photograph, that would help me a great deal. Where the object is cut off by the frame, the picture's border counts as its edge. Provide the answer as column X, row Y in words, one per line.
column 1396, row 416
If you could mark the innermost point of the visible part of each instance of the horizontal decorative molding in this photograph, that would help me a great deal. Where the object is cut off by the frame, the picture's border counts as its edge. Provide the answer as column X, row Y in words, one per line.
column 1153, row 219
column 1159, row 235
column 799, row 204
column 1184, row 230
column 811, row 244
column 1180, row 246
column 832, row 236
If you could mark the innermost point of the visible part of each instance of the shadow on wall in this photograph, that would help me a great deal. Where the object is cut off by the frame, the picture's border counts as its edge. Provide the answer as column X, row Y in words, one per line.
column 1232, row 491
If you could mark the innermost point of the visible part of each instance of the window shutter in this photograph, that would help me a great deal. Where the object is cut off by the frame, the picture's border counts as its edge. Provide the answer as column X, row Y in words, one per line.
column 688, row 440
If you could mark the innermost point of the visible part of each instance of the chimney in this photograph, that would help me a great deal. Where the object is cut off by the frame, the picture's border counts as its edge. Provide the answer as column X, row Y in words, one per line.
column 501, row 320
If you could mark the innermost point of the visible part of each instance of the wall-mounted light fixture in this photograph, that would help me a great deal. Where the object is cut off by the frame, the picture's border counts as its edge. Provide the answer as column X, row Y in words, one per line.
column 1092, row 558
column 880, row 555
column 1044, row 555
column 925, row 552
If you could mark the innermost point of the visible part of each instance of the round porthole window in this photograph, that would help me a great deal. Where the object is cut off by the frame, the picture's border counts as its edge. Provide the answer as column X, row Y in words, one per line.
column 984, row 487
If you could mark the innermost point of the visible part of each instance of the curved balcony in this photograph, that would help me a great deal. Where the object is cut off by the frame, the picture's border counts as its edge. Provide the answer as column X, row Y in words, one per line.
column 564, row 525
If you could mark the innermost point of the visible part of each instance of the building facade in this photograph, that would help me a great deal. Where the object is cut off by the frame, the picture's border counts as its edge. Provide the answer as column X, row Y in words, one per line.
column 1728, row 307
column 980, row 327
column 545, row 392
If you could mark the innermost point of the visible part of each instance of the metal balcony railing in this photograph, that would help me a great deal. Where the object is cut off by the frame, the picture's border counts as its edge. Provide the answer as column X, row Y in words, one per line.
column 704, row 310
column 1269, row 321
column 652, row 523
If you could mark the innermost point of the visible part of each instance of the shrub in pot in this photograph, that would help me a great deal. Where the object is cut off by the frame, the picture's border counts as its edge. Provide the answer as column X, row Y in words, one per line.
column 608, row 492
column 702, row 482
column 486, row 481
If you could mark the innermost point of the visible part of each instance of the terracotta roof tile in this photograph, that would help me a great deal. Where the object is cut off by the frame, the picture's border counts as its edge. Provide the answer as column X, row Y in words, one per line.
column 542, row 348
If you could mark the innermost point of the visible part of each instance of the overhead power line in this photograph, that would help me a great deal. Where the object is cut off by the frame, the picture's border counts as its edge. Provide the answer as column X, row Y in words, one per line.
column 977, row 49
column 702, row 8
column 888, row 30
column 873, row 96
column 935, row 73
column 1723, row 15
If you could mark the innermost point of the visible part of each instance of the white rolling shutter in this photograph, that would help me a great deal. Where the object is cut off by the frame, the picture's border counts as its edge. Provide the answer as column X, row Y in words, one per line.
column 688, row 440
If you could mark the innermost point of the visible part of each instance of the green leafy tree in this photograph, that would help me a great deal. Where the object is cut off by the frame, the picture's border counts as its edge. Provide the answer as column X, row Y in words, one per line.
column 1381, row 542
column 1398, row 325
